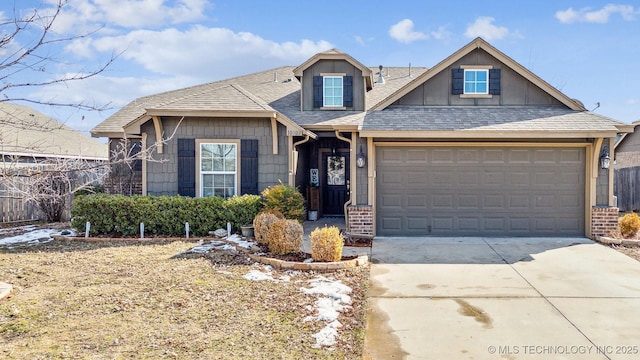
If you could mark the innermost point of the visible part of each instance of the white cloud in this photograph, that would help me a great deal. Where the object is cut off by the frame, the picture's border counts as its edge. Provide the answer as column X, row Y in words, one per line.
column 627, row 12
column 206, row 53
column 484, row 27
column 359, row 40
column 440, row 34
column 403, row 32
column 86, row 15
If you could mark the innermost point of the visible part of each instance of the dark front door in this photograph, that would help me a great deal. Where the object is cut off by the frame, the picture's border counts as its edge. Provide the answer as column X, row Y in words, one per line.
column 336, row 183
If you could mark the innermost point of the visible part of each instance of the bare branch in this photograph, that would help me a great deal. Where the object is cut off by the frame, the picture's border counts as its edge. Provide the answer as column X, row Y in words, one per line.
column 28, row 42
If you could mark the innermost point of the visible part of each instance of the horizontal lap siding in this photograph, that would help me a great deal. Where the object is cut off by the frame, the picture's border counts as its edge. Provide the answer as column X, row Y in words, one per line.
column 480, row 191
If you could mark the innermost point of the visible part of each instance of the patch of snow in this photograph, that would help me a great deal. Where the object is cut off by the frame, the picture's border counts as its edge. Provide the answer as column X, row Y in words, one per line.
column 213, row 245
column 257, row 275
column 333, row 299
column 331, row 288
column 307, row 260
column 34, row 237
column 327, row 335
column 236, row 239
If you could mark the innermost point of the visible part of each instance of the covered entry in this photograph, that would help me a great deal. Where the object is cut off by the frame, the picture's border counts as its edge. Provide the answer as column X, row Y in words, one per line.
column 480, row 190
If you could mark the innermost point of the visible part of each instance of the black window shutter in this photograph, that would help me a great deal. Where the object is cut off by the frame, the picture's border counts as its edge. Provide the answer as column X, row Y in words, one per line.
column 347, row 91
column 187, row 167
column 494, row 81
column 317, row 91
column 457, row 81
column 249, row 166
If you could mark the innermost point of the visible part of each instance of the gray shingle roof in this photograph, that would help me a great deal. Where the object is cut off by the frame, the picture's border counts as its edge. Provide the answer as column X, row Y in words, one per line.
column 27, row 132
column 256, row 91
column 485, row 118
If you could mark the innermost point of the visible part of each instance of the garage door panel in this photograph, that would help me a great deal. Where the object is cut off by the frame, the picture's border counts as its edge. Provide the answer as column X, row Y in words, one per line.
column 442, row 156
column 391, row 201
column 466, row 223
column 468, row 202
column 494, row 201
column 442, row 224
column 417, row 223
column 497, row 156
column 494, row 177
column 417, row 201
column 474, row 191
column 494, row 224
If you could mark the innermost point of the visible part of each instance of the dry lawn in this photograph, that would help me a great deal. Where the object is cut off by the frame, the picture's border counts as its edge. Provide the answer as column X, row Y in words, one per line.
column 127, row 299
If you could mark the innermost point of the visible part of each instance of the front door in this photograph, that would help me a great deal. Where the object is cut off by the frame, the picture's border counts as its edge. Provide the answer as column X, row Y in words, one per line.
column 336, row 183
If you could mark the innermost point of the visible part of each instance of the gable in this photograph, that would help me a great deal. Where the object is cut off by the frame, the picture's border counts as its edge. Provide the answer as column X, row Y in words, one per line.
column 312, row 84
column 513, row 88
column 471, row 49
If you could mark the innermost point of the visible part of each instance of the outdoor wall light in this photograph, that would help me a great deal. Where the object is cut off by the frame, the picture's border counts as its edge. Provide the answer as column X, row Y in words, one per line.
column 605, row 159
column 361, row 158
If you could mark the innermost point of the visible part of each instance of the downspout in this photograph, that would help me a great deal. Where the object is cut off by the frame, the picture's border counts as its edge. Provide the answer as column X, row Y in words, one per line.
column 294, row 153
column 352, row 163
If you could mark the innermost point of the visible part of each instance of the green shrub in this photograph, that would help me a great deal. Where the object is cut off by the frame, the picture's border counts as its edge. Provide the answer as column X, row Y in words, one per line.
column 286, row 199
column 629, row 224
column 326, row 244
column 240, row 210
column 161, row 215
column 262, row 224
column 285, row 236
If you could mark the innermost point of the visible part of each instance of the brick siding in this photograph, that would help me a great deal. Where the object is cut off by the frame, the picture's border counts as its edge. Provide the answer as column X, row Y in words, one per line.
column 604, row 220
column 360, row 219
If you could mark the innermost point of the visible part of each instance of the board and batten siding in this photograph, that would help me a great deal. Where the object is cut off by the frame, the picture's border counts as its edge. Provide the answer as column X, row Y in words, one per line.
column 334, row 67
column 515, row 90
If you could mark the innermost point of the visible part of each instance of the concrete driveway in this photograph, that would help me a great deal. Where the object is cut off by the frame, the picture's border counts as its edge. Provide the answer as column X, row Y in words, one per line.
column 494, row 298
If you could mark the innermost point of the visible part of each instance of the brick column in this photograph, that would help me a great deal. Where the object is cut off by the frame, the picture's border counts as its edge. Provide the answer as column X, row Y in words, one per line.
column 360, row 219
column 604, row 220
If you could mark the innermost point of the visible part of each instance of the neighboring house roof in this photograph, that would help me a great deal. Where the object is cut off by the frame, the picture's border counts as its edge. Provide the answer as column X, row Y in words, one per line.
column 27, row 132
column 622, row 137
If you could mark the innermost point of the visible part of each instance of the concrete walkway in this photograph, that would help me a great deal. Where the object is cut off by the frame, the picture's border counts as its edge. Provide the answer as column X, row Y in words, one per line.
column 487, row 298
column 5, row 290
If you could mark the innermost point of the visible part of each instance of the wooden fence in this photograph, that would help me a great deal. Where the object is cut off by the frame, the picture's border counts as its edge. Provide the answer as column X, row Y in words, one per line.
column 627, row 188
column 15, row 209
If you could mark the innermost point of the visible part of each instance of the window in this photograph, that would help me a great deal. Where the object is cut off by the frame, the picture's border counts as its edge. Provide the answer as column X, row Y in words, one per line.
column 476, row 81
column 332, row 91
column 218, row 169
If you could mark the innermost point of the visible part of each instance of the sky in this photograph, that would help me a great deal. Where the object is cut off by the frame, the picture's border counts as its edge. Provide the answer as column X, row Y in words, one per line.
column 586, row 49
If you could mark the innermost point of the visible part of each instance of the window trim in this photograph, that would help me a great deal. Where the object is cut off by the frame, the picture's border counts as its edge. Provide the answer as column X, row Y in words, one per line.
column 324, row 88
column 464, row 95
column 238, row 174
column 475, row 82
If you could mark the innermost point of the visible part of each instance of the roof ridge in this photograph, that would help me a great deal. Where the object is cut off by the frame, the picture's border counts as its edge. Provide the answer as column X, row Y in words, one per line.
column 256, row 99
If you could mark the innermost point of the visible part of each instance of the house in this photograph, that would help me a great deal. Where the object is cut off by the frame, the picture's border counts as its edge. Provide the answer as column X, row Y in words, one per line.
column 627, row 170
column 627, row 148
column 28, row 139
column 475, row 145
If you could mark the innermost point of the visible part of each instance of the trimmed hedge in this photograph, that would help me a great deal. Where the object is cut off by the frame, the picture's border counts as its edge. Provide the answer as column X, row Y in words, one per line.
column 162, row 215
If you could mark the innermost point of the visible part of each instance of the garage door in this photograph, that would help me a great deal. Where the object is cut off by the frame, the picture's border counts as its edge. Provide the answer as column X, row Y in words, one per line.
column 495, row 191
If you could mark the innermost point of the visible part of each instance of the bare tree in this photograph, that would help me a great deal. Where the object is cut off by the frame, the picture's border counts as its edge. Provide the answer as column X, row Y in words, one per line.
column 27, row 43
column 28, row 56
column 50, row 183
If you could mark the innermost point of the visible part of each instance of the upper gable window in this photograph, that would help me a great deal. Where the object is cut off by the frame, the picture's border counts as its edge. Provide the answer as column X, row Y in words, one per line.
column 333, row 91
column 476, row 81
